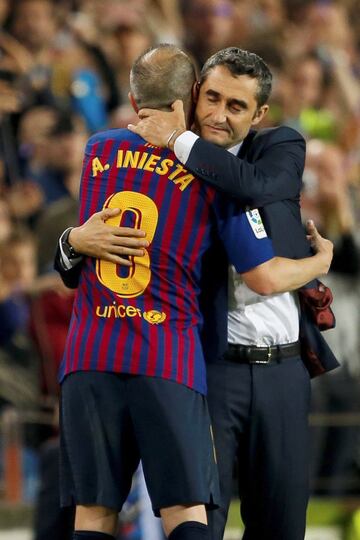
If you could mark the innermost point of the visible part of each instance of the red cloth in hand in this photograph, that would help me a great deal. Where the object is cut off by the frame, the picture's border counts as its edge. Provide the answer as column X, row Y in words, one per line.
column 317, row 301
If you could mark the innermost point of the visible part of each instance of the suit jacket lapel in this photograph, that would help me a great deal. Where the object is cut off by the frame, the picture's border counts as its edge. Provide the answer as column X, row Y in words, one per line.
column 246, row 144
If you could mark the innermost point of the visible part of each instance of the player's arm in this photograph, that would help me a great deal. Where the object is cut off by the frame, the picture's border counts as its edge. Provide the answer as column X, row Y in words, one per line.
column 250, row 250
column 280, row 274
column 275, row 174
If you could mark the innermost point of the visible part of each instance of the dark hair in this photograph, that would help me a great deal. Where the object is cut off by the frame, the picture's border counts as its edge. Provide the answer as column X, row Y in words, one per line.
column 240, row 62
column 161, row 75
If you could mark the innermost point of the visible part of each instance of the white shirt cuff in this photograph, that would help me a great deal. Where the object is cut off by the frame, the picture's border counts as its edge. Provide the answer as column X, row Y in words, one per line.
column 66, row 262
column 183, row 145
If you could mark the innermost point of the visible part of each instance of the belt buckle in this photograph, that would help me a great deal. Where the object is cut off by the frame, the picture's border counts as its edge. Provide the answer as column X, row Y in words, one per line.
column 268, row 358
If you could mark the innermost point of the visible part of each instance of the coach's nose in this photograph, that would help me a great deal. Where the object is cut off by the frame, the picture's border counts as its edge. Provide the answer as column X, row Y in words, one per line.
column 219, row 114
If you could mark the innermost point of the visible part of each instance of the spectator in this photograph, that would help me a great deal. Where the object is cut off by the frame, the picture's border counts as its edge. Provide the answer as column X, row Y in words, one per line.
column 33, row 23
column 209, row 26
column 19, row 364
column 65, row 147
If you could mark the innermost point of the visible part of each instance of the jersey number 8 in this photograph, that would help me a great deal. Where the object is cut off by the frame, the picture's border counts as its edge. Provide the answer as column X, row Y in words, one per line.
column 144, row 214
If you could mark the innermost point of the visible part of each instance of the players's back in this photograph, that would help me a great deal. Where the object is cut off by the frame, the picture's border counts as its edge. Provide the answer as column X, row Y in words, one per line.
column 158, row 195
column 143, row 319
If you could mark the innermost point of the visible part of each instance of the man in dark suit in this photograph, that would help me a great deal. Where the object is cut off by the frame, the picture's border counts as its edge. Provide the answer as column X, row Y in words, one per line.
column 258, row 387
column 259, row 409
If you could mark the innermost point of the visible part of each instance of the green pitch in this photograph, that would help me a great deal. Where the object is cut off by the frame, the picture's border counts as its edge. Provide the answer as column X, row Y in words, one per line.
column 322, row 512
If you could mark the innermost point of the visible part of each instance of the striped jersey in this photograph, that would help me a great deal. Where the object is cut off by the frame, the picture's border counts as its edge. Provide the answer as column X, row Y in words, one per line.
column 145, row 319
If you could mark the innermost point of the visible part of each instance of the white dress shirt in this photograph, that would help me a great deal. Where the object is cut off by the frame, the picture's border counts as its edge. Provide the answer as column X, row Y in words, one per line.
column 253, row 319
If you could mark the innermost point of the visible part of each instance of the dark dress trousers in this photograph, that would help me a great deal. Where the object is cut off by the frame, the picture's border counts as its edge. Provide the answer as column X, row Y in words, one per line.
column 260, row 413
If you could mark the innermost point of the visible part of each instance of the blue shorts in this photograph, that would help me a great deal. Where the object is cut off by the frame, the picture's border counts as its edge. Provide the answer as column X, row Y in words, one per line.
column 110, row 421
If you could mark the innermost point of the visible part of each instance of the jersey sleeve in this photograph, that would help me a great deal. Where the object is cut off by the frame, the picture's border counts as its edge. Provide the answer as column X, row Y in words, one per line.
column 242, row 234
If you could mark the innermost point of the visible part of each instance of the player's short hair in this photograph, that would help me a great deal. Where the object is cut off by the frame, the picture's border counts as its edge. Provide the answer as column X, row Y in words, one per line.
column 241, row 62
column 161, row 75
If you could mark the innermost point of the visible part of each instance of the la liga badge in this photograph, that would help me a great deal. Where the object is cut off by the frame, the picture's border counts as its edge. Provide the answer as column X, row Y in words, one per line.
column 256, row 223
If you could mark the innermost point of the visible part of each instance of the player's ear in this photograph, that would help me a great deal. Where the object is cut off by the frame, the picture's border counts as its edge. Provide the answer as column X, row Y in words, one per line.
column 133, row 102
column 195, row 91
column 259, row 114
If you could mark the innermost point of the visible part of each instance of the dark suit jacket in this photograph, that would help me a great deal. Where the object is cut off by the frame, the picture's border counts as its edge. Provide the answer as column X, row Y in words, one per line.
column 266, row 173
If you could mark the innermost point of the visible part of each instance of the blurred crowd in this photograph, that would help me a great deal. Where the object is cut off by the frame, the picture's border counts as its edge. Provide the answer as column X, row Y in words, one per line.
column 64, row 70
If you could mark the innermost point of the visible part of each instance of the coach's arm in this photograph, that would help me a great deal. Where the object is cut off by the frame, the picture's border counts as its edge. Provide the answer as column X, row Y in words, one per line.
column 272, row 170
column 95, row 239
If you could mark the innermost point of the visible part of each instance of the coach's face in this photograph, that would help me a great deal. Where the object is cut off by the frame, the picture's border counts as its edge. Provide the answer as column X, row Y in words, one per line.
column 226, row 107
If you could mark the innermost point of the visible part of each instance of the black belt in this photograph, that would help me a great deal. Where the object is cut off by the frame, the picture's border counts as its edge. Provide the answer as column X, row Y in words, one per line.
column 244, row 354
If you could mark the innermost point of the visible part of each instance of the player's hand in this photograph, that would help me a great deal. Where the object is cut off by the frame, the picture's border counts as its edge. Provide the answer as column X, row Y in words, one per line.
column 97, row 239
column 322, row 247
column 157, row 126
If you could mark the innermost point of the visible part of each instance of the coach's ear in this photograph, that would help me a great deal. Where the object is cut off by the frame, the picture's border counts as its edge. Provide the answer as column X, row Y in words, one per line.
column 259, row 114
column 133, row 102
column 195, row 91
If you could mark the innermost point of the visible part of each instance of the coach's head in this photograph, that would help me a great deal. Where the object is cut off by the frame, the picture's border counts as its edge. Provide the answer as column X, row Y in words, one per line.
column 160, row 76
column 233, row 91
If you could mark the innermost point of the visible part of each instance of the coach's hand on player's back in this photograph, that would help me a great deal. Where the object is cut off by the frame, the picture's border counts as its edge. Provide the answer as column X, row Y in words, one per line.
column 161, row 128
column 97, row 239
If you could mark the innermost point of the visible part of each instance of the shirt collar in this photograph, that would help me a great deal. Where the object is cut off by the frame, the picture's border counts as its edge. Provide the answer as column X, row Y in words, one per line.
column 235, row 149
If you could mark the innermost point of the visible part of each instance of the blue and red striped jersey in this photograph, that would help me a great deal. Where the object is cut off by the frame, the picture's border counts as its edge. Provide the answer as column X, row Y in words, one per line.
column 146, row 319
